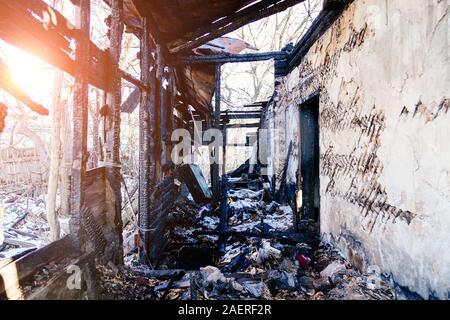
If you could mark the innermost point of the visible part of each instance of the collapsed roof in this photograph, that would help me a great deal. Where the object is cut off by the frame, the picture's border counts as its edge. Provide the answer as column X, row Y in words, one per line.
column 198, row 26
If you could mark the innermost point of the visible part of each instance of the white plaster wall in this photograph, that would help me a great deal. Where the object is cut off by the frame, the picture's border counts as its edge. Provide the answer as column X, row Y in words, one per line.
column 383, row 71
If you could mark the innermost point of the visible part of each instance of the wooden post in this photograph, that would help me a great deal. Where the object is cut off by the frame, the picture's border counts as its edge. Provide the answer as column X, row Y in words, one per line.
column 223, row 216
column 113, row 96
column 162, row 114
column 216, row 124
column 152, row 122
column 80, row 122
column 224, row 144
column 112, row 133
column 144, row 142
column 171, row 93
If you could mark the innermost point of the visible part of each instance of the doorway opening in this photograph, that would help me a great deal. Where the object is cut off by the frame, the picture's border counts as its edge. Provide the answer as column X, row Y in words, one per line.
column 309, row 164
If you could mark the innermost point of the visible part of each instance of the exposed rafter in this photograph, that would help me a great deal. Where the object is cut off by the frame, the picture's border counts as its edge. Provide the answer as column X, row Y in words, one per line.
column 231, row 58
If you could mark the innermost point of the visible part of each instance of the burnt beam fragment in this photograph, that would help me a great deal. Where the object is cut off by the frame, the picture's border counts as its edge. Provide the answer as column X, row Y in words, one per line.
column 223, row 218
column 145, row 173
column 215, row 181
column 112, row 131
column 131, row 102
column 192, row 176
column 80, row 122
column 243, row 125
column 128, row 77
column 231, row 58
column 170, row 117
column 320, row 25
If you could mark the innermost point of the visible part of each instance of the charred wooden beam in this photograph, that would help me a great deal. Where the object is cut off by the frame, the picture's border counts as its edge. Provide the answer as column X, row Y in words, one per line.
column 128, row 77
column 231, row 58
column 112, row 132
column 243, row 125
column 14, row 272
column 156, row 36
column 334, row 4
column 145, row 175
column 152, row 121
column 157, row 129
column 50, row 41
column 167, row 120
column 223, row 217
column 320, row 25
column 131, row 102
column 224, row 147
column 163, row 123
column 80, row 121
column 160, row 274
column 162, row 199
column 257, row 11
column 215, row 181
column 170, row 99
column 231, row 111
column 233, row 116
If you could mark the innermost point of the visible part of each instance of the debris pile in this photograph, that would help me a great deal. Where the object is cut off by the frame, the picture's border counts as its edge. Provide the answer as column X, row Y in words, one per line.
column 24, row 224
column 264, row 258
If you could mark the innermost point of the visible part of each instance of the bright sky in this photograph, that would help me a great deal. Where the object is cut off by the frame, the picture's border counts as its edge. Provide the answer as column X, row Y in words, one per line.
column 31, row 74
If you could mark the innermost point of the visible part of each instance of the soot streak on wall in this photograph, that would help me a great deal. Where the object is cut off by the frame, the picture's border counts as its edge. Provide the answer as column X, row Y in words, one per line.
column 382, row 71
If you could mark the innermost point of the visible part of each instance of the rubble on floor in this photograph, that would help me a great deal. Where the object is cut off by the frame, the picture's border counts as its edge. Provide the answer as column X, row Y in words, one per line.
column 254, row 271
column 264, row 258
column 24, row 224
column 258, row 265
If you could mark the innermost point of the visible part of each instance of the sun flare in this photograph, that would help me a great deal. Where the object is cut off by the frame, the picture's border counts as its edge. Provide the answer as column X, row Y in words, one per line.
column 32, row 75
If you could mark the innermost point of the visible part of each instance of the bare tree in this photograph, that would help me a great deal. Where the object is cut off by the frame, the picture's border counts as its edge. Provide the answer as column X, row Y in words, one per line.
column 55, row 158
column 55, row 154
column 269, row 34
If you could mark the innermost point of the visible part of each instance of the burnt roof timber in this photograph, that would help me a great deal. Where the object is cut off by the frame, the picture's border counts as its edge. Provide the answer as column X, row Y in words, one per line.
column 128, row 77
column 243, row 125
column 157, row 37
column 24, row 31
column 332, row 11
column 231, row 58
column 257, row 11
column 231, row 111
column 52, row 45
column 236, row 116
column 240, row 116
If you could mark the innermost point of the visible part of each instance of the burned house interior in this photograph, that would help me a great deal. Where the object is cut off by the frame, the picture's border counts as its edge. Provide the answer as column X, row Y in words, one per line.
column 137, row 177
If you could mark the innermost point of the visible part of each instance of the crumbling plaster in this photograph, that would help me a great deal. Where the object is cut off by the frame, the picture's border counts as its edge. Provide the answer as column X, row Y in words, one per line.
column 382, row 71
